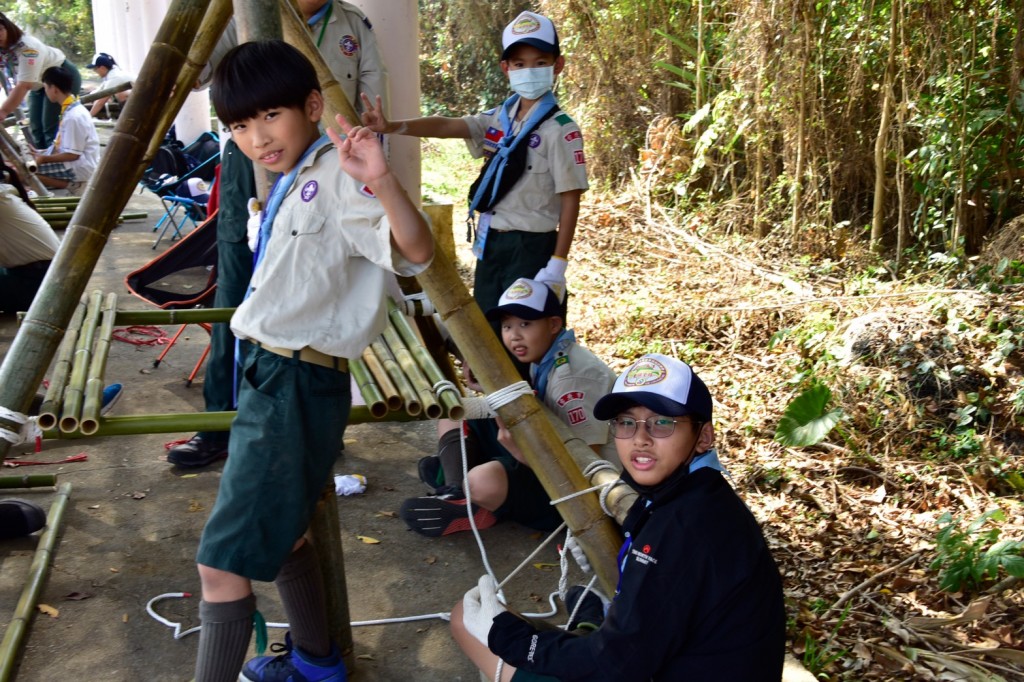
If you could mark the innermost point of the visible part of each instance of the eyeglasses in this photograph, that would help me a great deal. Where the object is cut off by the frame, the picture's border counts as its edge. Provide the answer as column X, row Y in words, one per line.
column 657, row 427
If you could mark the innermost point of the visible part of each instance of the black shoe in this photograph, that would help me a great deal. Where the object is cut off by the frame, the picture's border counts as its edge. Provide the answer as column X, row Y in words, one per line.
column 430, row 472
column 19, row 518
column 591, row 613
column 197, row 452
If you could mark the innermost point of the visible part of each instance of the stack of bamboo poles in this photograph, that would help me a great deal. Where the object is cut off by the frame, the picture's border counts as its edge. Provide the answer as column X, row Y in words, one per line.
column 57, row 211
column 397, row 372
column 75, row 394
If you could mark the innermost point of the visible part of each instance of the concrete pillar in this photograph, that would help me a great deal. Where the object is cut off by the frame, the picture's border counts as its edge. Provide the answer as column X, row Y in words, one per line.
column 396, row 24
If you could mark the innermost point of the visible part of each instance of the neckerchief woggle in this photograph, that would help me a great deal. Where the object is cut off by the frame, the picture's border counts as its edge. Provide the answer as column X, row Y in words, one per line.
column 508, row 142
column 540, row 371
column 281, row 186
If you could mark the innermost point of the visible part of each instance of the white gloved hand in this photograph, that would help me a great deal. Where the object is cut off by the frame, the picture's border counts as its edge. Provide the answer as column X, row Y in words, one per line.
column 573, row 547
column 553, row 274
column 252, row 227
column 479, row 607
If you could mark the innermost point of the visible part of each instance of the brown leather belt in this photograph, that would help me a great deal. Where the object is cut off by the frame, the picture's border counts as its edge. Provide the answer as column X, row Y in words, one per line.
column 309, row 355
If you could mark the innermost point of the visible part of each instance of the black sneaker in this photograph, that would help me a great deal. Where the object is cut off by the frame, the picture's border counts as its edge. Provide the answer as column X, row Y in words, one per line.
column 197, row 452
column 443, row 515
column 19, row 518
column 591, row 613
column 430, row 472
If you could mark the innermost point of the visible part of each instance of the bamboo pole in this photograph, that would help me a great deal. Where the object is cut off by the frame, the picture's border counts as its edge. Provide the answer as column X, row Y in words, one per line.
column 325, row 532
column 411, row 370
column 40, row 334
column 94, row 384
column 185, row 316
column 530, row 428
column 387, row 387
column 12, row 150
column 55, row 392
column 391, row 366
column 18, row 625
column 371, row 393
column 105, row 92
column 446, row 393
column 28, row 481
column 217, row 16
column 74, row 394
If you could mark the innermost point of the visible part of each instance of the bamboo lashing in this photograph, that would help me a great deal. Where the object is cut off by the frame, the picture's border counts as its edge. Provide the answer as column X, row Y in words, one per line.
column 387, row 387
column 50, row 408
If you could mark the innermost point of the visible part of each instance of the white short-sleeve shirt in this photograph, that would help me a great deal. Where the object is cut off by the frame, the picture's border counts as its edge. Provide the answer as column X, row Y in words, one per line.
column 77, row 134
column 34, row 57
column 24, row 236
column 576, row 382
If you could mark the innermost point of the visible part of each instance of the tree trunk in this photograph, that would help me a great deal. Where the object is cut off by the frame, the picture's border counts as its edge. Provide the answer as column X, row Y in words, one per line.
column 878, row 210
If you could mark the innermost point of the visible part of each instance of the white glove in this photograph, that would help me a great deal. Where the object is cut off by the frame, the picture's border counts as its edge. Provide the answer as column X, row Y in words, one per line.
column 479, row 607
column 577, row 553
column 553, row 274
column 252, row 227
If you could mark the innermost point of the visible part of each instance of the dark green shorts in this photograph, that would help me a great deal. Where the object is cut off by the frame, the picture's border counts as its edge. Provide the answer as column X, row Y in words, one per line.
column 523, row 676
column 284, row 441
column 507, row 257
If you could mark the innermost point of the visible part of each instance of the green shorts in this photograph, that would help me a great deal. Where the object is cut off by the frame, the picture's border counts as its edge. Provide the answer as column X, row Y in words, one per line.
column 527, row 502
column 284, row 441
column 523, row 676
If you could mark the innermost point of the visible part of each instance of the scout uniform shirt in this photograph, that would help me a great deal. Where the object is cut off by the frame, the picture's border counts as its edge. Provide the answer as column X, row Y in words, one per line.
column 576, row 382
column 77, row 134
column 321, row 281
column 24, row 236
column 34, row 57
column 115, row 76
column 349, row 46
column 554, row 164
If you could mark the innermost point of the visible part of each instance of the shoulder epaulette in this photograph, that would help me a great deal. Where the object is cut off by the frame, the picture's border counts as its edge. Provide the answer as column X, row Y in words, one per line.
column 564, row 119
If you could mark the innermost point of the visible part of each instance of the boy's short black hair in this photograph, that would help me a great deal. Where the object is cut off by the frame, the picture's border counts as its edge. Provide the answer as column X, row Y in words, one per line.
column 59, row 77
column 261, row 75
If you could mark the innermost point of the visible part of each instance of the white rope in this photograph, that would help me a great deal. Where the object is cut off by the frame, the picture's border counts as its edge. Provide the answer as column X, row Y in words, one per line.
column 476, row 407
column 503, row 396
column 417, row 305
column 18, row 418
column 443, row 385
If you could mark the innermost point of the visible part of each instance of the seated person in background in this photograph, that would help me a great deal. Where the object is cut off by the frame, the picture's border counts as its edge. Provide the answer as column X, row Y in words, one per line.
column 567, row 378
column 699, row 595
column 72, row 158
column 111, row 75
column 27, row 245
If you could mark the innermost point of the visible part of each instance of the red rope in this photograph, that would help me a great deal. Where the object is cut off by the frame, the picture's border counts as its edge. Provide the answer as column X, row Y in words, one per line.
column 137, row 335
column 13, row 463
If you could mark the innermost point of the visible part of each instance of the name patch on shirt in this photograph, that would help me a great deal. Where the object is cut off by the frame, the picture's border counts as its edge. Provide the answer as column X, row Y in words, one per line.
column 569, row 397
column 643, row 556
column 574, row 135
column 309, row 190
column 348, row 45
column 577, row 155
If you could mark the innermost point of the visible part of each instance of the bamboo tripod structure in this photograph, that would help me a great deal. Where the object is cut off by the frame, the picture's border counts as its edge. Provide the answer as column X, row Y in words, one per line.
column 182, row 46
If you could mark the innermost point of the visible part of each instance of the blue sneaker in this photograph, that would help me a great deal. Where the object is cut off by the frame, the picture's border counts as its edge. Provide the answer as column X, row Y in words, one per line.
column 294, row 665
column 111, row 394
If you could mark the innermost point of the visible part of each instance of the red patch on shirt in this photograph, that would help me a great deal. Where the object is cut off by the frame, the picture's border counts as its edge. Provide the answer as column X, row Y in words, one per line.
column 577, row 415
column 367, row 192
column 571, row 395
column 574, row 135
column 578, row 156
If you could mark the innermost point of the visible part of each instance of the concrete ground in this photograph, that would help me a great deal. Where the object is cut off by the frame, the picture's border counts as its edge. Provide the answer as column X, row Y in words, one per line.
column 133, row 523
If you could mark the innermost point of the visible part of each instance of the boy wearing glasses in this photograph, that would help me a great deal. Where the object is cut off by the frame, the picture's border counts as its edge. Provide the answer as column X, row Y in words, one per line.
column 566, row 377
column 699, row 595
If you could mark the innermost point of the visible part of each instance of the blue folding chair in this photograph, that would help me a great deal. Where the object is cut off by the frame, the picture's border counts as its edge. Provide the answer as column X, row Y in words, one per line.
column 182, row 176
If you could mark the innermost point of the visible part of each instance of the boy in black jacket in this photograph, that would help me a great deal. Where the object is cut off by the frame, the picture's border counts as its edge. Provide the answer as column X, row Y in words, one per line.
column 699, row 595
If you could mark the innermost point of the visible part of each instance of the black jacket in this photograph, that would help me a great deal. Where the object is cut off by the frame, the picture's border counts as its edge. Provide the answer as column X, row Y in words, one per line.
column 700, row 597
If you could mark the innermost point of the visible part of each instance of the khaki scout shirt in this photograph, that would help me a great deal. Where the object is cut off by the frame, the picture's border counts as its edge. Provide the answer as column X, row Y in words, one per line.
column 321, row 283
column 575, row 384
column 554, row 164
column 24, row 236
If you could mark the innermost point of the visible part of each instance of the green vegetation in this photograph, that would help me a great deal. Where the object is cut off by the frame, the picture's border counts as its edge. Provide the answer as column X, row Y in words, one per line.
column 971, row 556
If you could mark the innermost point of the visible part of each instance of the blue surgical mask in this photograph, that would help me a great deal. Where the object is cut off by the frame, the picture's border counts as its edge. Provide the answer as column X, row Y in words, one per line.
column 532, row 83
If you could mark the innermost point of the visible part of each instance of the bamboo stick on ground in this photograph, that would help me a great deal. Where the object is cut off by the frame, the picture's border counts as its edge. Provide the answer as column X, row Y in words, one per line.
column 445, row 391
column 371, row 393
column 18, row 625
column 74, row 394
column 94, row 385
column 391, row 366
column 387, row 387
column 413, row 372
column 28, row 481
column 54, row 397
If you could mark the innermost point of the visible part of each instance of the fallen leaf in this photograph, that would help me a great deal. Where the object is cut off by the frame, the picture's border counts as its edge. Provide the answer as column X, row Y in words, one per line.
column 430, row 560
column 94, row 506
column 138, row 496
column 48, row 610
column 365, row 657
column 387, row 514
column 368, row 540
column 124, row 618
column 77, row 596
column 114, row 570
column 195, row 506
column 190, row 475
column 349, row 441
column 545, row 567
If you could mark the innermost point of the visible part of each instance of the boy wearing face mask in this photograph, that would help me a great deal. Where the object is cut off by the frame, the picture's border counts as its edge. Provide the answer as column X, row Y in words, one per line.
column 526, row 221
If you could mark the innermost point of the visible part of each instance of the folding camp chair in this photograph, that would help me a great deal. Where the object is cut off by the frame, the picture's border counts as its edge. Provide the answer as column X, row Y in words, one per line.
column 184, row 276
column 182, row 176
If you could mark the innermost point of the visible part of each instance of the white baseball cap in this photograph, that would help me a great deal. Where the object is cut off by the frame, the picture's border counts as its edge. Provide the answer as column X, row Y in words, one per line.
column 527, row 299
column 532, row 29
column 665, row 385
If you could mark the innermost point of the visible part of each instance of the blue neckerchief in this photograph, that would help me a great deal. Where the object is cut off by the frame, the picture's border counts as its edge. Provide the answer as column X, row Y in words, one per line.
column 281, row 186
column 540, row 371
column 319, row 14
column 508, row 142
